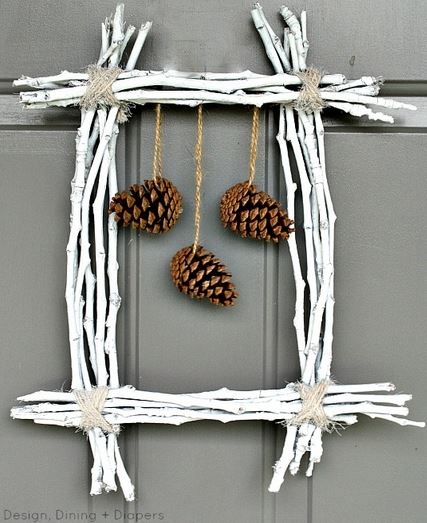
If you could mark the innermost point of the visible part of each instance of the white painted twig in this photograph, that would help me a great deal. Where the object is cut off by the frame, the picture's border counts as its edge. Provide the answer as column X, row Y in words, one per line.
column 195, row 97
column 101, row 301
column 78, row 185
column 305, row 42
column 361, row 110
column 120, row 415
column 285, row 459
column 366, row 100
column 305, row 185
column 90, row 281
column 292, row 244
column 113, row 266
column 232, row 81
column 266, row 38
column 201, row 399
column 303, row 442
column 313, row 209
column 85, row 244
column 324, row 370
column 316, row 451
column 400, row 421
column 295, row 27
column 96, row 471
column 275, row 40
column 105, row 39
column 286, row 44
column 364, row 81
column 129, row 32
column 316, row 318
column 293, row 52
column 116, row 36
column 138, row 45
column 124, row 479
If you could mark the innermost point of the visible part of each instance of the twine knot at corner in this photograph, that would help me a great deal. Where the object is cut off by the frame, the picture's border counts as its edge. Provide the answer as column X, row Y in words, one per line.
column 309, row 99
column 91, row 403
column 99, row 91
column 312, row 410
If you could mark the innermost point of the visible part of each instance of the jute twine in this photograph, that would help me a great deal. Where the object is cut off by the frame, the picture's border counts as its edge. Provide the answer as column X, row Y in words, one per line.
column 309, row 99
column 157, row 156
column 99, row 91
column 198, row 177
column 312, row 405
column 91, row 403
column 254, row 145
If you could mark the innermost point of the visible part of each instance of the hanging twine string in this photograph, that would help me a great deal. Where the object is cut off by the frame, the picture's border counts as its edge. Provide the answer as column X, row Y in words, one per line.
column 99, row 91
column 157, row 157
column 312, row 405
column 91, row 403
column 309, row 99
column 198, row 177
column 254, row 144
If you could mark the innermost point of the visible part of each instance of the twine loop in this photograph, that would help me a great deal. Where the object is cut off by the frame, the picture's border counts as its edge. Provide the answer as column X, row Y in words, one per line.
column 198, row 177
column 157, row 156
column 91, row 403
column 309, row 99
column 99, row 91
column 312, row 410
column 254, row 144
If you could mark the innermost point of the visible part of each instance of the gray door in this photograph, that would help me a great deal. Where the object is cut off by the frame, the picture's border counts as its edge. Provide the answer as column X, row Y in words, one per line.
column 207, row 472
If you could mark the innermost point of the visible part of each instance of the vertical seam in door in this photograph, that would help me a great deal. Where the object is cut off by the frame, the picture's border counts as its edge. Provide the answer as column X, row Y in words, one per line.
column 137, row 313
column 127, row 262
column 275, row 186
column 268, row 514
column 310, row 500
column 123, row 271
column 264, row 347
column 264, row 357
column 132, row 299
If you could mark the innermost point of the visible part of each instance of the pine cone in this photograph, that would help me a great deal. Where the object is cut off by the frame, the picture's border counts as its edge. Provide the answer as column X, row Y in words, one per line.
column 202, row 275
column 254, row 214
column 154, row 206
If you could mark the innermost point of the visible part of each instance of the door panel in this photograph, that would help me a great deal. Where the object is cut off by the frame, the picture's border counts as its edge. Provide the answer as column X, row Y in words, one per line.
column 377, row 468
column 41, row 468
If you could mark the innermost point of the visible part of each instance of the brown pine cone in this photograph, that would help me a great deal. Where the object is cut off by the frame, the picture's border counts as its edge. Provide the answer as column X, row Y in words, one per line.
column 202, row 275
column 254, row 214
column 154, row 206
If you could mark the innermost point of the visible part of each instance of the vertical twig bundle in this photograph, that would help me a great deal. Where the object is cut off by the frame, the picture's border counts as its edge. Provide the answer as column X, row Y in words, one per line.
column 86, row 291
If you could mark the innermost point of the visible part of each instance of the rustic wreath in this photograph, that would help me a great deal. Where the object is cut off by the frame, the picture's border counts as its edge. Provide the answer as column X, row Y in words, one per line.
column 97, row 403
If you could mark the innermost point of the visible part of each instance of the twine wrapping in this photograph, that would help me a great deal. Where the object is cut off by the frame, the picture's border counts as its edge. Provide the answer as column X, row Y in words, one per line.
column 309, row 99
column 91, row 403
column 312, row 410
column 99, row 91
column 157, row 156
column 254, row 145
column 198, row 176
